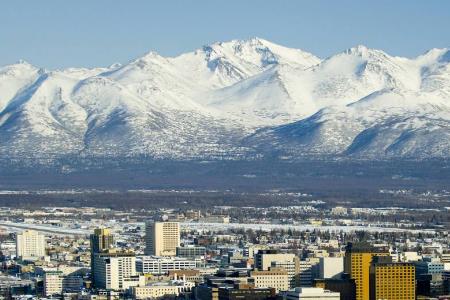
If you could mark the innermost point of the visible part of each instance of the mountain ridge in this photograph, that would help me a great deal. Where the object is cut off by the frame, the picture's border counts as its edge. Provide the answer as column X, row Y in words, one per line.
column 242, row 99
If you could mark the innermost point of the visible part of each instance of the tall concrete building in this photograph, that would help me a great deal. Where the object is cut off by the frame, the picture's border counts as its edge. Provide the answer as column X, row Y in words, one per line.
column 331, row 267
column 357, row 262
column 116, row 271
column 390, row 280
column 30, row 244
column 101, row 241
column 304, row 275
column 162, row 238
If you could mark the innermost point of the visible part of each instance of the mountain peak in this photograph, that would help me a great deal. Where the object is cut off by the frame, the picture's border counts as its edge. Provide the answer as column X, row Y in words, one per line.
column 363, row 51
column 115, row 65
column 22, row 62
column 20, row 67
column 149, row 59
column 151, row 55
column 254, row 41
column 261, row 52
column 441, row 55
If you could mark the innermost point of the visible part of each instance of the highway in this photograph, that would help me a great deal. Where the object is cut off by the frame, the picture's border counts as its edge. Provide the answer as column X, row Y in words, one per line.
column 47, row 229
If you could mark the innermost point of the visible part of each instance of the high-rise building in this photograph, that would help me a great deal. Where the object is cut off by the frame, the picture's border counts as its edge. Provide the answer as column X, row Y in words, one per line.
column 331, row 267
column 357, row 262
column 304, row 274
column 390, row 280
column 115, row 270
column 101, row 241
column 30, row 244
column 162, row 238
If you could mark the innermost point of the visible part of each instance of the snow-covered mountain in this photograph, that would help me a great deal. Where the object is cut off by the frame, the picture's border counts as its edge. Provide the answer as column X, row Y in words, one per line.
column 233, row 100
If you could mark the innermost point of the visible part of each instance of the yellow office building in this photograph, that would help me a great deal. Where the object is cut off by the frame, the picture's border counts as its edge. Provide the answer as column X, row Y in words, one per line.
column 357, row 262
column 393, row 281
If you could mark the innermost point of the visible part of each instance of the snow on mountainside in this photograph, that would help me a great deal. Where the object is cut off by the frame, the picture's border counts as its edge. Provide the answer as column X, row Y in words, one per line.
column 14, row 78
column 222, row 64
column 232, row 100
column 383, row 124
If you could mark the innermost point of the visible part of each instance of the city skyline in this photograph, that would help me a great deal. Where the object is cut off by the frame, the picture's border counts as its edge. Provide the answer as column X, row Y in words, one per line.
column 223, row 150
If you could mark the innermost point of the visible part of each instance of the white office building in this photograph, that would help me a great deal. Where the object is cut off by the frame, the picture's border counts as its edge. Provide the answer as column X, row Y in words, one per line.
column 331, row 267
column 162, row 265
column 30, row 244
column 116, row 271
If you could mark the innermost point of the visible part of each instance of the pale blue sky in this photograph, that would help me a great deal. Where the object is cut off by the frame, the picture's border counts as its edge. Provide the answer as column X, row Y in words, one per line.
column 57, row 34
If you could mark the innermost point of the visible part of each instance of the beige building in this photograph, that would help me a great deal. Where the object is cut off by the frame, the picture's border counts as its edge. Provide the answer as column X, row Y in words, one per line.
column 267, row 259
column 276, row 278
column 30, row 244
column 186, row 275
column 162, row 238
column 251, row 250
column 161, row 290
column 154, row 292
